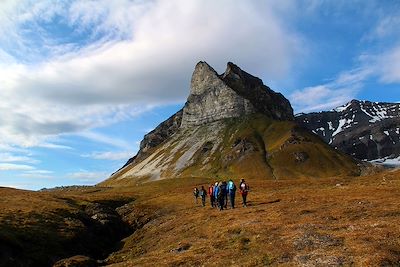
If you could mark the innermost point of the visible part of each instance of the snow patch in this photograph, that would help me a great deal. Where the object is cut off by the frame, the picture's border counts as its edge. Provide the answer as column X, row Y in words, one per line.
column 342, row 122
column 330, row 126
column 380, row 114
column 342, row 108
column 388, row 161
column 376, row 112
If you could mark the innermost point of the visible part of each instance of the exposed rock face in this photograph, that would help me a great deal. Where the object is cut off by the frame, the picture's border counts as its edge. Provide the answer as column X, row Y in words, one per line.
column 233, row 94
column 263, row 99
column 162, row 132
column 363, row 129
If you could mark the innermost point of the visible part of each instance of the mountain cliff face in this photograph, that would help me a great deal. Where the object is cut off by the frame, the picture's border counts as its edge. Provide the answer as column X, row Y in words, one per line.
column 232, row 125
column 363, row 129
column 233, row 94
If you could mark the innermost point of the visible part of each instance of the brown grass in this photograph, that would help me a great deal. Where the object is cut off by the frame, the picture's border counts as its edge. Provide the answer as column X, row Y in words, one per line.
column 311, row 222
column 300, row 222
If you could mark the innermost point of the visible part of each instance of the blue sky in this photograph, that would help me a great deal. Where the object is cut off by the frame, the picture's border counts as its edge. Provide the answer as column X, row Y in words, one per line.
column 81, row 82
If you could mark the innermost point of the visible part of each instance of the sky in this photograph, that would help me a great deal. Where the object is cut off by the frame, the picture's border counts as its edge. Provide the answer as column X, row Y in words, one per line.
column 81, row 81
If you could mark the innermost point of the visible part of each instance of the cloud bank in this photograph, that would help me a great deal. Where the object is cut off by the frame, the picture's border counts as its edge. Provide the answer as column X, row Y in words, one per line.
column 135, row 55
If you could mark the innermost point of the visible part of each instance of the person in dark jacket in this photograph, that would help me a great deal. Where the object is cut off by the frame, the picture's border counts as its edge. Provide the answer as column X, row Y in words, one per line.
column 203, row 194
column 195, row 194
column 225, row 196
column 231, row 192
column 221, row 195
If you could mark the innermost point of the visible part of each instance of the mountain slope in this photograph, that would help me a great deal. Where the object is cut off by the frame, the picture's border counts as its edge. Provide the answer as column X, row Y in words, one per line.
column 232, row 125
column 363, row 129
column 252, row 146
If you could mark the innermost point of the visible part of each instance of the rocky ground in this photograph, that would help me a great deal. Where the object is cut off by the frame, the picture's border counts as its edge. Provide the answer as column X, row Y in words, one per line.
column 304, row 222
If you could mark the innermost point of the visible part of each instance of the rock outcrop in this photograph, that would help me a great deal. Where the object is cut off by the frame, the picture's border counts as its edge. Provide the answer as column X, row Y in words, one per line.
column 366, row 130
column 263, row 99
column 233, row 94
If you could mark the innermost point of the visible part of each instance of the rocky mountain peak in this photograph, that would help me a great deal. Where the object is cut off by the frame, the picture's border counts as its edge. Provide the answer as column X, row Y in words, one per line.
column 264, row 100
column 364, row 129
column 234, row 73
column 203, row 74
column 233, row 94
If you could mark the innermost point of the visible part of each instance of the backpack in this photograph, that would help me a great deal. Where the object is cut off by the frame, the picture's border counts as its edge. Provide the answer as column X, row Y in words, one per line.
column 220, row 193
column 232, row 187
column 203, row 193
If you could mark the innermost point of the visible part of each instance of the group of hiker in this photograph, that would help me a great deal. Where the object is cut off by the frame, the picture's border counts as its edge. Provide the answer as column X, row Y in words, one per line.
column 221, row 192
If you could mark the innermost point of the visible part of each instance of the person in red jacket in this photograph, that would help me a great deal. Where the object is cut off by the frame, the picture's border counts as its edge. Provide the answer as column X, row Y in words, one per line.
column 211, row 194
column 244, row 189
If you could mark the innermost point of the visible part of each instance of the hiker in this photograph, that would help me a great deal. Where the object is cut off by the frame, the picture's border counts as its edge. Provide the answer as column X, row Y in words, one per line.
column 211, row 194
column 216, row 192
column 221, row 195
column 244, row 189
column 232, row 192
column 224, row 191
column 203, row 194
column 195, row 194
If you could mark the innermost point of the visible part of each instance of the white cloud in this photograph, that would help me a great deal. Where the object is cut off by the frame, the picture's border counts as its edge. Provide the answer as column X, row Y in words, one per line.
column 89, row 177
column 101, row 138
column 386, row 27
column 386, row 35
column 320, row 97
column 138, row 55
column 387, row 66
column 111, row 155
column 8, row 157
column 15, row 167
column 54, row 146
column 38, row 174
column 332, row 94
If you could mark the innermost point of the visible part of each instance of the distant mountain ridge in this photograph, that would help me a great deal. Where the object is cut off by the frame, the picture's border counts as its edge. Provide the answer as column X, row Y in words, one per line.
column 232, row 125
column 366, row 130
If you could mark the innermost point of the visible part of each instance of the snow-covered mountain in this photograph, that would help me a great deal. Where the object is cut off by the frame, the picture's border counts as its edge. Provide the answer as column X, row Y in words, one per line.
column 366, row 130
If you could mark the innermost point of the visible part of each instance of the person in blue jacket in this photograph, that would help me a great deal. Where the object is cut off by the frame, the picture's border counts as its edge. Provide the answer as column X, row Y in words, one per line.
column 216, row 192
column 232, row 193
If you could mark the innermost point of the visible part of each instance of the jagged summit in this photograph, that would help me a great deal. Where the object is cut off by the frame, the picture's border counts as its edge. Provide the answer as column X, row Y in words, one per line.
column 233, row 94
column 264, row 100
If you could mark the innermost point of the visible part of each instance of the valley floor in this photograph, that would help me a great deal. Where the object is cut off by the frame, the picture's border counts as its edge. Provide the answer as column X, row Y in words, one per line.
column 330, row 222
